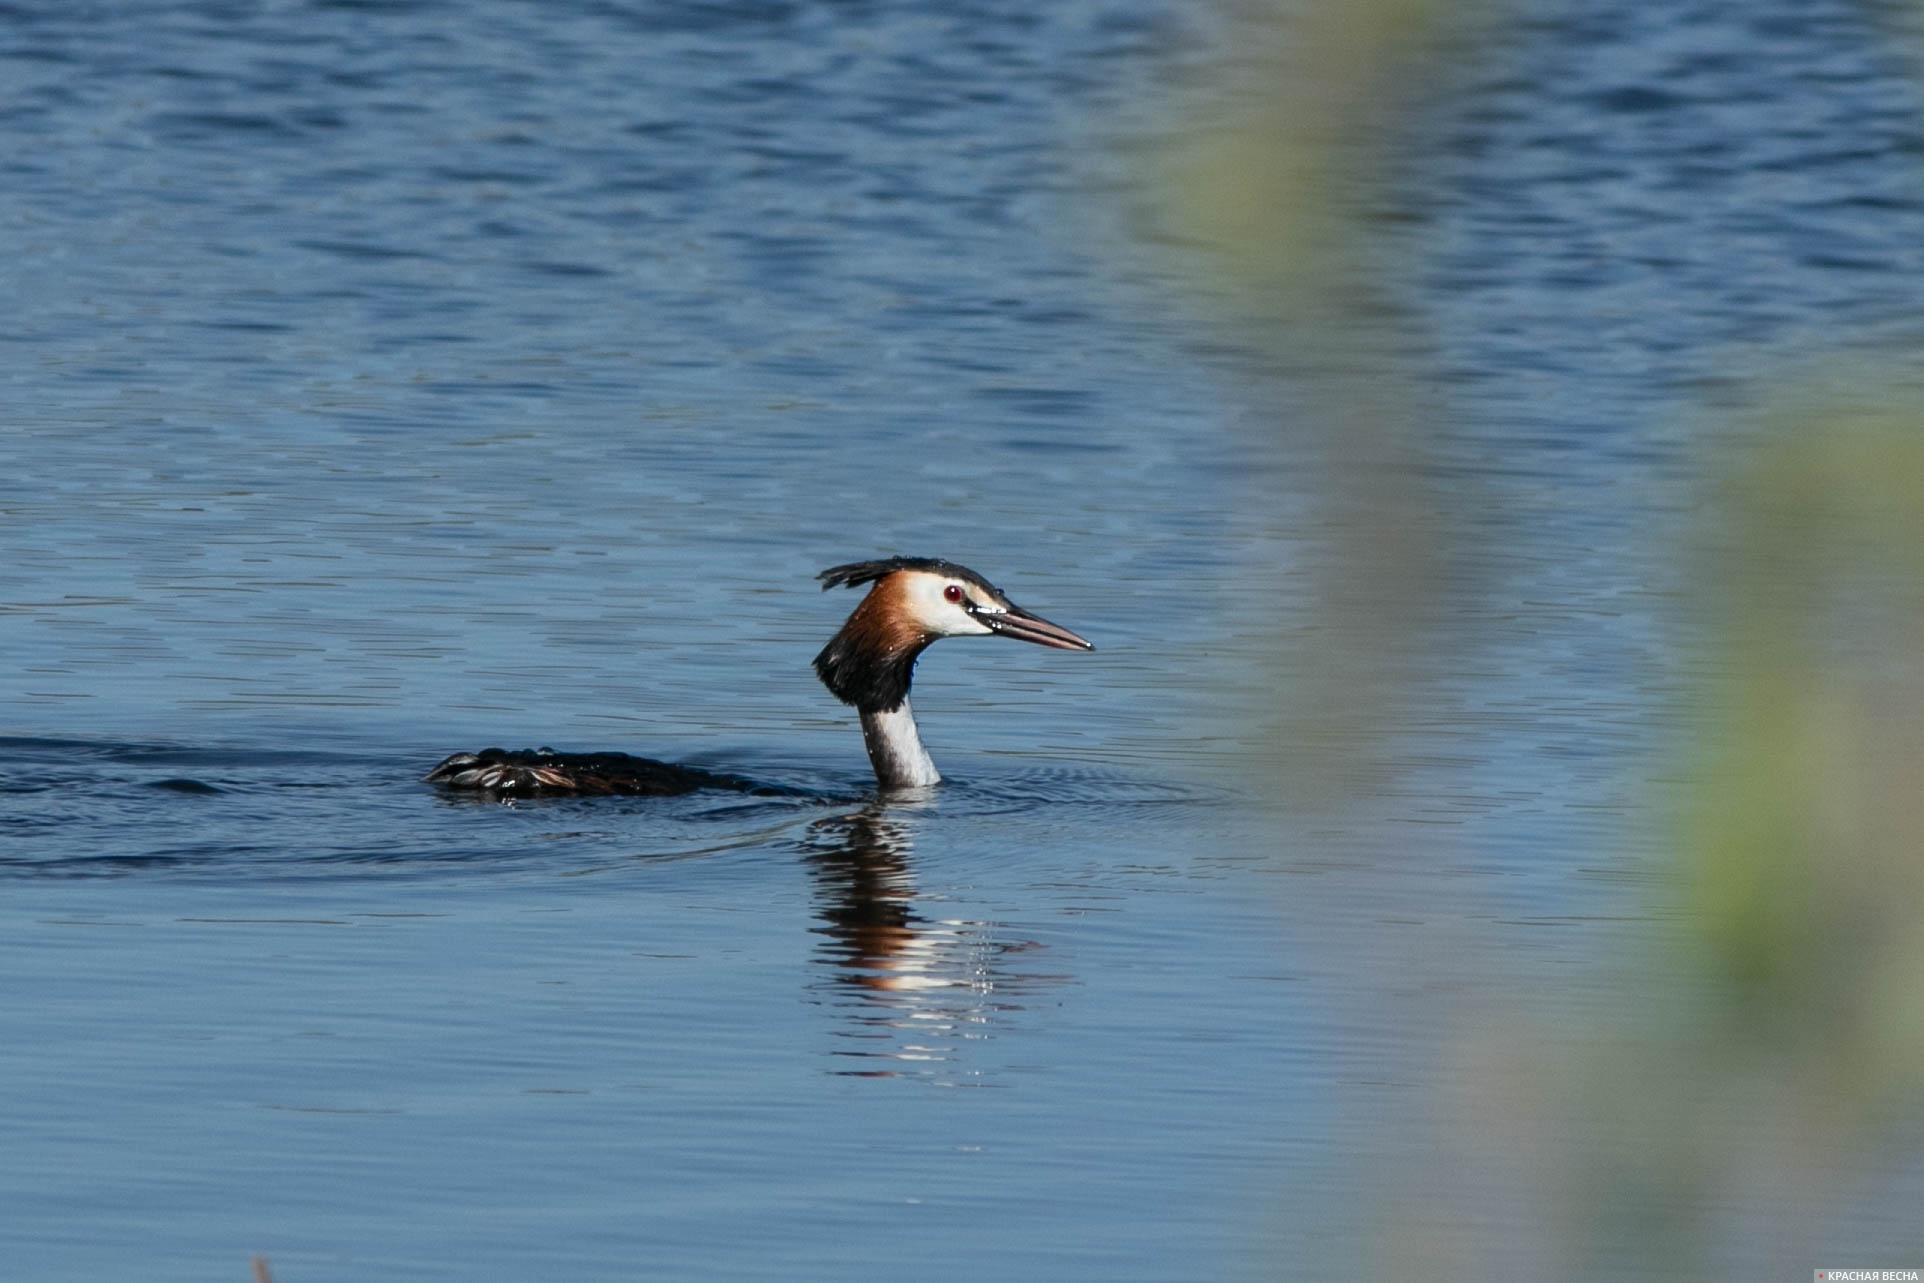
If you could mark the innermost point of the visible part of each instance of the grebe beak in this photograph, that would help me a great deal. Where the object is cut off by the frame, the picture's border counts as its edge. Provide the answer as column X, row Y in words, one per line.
column 1020, row 624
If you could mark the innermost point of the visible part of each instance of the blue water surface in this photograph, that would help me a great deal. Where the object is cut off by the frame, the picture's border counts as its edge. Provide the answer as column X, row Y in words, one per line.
column 386, row 380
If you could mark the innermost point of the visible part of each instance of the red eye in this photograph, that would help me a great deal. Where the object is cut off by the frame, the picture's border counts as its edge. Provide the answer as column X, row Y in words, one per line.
column 953, row 592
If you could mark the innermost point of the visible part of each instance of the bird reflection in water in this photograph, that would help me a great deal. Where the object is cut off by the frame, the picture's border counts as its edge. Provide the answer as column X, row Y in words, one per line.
column 924, row 986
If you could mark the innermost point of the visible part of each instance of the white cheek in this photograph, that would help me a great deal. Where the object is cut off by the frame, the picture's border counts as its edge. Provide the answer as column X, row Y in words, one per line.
column 942, row 616
column 968, row 625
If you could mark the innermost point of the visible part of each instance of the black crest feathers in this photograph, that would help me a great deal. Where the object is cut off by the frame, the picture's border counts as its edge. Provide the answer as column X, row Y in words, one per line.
column 857, row 573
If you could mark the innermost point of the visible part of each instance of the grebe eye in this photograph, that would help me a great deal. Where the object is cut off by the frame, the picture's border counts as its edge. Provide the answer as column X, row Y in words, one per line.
column 953, row 592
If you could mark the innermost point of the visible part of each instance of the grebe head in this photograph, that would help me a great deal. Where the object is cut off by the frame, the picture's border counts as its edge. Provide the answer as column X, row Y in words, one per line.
column 916, row 601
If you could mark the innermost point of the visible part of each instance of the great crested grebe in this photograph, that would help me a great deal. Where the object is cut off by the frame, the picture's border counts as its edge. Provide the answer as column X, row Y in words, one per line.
column 914, row 601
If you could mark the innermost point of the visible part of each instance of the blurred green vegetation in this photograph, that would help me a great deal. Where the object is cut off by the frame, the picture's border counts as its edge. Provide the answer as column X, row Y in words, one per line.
column 1804, row 846
column 1775, row 1044
column 1278, row 195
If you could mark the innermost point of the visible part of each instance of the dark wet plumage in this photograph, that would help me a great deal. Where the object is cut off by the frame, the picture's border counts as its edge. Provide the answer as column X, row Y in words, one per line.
column 530, row 772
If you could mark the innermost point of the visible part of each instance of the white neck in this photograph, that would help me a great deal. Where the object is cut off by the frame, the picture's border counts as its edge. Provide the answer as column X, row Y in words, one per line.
column 895, row 750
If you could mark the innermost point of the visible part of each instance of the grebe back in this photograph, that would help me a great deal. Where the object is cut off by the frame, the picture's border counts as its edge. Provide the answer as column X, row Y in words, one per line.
column 912, row 603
